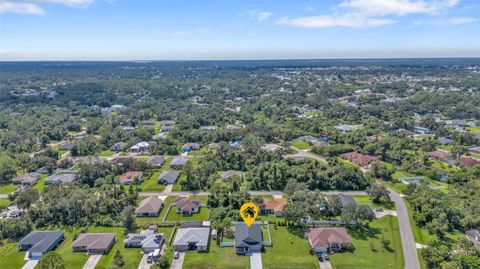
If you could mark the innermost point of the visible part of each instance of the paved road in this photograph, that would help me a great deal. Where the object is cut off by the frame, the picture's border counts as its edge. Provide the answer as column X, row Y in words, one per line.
column 178, row 263
column 410, row 254
column 325, row 265
column 305, row 154
column 273, row 193
column 92, row 261
column 256, row 260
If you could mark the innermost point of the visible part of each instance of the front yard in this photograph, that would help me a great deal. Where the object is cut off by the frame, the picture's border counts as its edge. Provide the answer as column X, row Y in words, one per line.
column 7, row 189
column 369, row 251
column 201, row 215
column 216, row 258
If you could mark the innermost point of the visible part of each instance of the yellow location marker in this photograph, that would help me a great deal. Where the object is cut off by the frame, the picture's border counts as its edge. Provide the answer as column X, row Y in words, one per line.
column 249, row 212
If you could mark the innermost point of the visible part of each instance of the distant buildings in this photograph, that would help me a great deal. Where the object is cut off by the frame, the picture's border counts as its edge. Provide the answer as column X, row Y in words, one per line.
column 190, row 146
column 156, row 161
column 271, row 147
column 118, row 147
column 61, row 177
column 130, row 177
column 421, row 130
column 226, row 175
column 474, row 236
column 359, row 159
column 140, row 147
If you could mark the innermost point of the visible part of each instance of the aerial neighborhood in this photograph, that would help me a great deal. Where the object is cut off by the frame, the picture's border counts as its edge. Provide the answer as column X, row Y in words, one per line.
column 146, row 164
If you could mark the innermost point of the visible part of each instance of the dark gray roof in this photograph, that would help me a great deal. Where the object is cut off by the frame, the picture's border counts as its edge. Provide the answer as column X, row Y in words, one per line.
column 345, row 199
column 41, row 241
column 248, row 236
column 169, row 176
column 178, row 161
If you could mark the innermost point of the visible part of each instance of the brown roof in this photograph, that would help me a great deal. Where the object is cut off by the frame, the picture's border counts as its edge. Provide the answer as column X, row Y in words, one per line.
column 358, row 158
column 323, row 237
column 440, row 154
column 468, row 162
column 185, row 204
column 121, row 160
column 156, row 160
column 151, row 204
column 277, row 205
column 27, row 178
column 130, row 176
column 97, row 241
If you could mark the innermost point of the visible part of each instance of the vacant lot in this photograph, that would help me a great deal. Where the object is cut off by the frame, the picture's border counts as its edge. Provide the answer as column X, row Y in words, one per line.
column 369, row 251
column 365, row 200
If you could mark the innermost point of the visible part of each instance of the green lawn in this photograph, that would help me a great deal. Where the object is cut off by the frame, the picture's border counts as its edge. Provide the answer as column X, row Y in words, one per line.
column 369, row 252
column 216, row 258
column 4, row 203
column 302, row 145
column 107, row 153
column 201, row 215
column 74, row 260
column 473, row 130
column 150, row 184
column 288, row 251
column 7, row 189
column 365, row 200
column 10, row 257
column 443, row 166
column 40, row 185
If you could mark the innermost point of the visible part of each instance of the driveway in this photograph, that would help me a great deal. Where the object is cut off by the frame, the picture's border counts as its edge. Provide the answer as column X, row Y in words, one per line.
column 385, row 213
column 178, row 263
column 30, row 264
column 256, row 260
column 325, row 265
column 92, row 261
column 408, row 242
column 143, row 262
column 305, row 154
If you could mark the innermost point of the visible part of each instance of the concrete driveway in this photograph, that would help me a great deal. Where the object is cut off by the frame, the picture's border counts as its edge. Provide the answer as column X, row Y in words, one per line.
column 178, row 263
column 325, row 265
column 30, row 264
column 385, row 213
column 92, row 261
column 143, row 262
column 256, row 260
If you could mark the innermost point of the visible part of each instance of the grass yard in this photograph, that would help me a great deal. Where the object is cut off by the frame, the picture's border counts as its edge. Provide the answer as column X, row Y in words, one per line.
column 365, row 200
column 107, row 153
column 10, row 257
column 150, row 184
column 473, row 130
column 201, row 215
column 7, row 189
column 40, row 185
column 369, row 252
column 289, row 251
column 216, row 258
column 74, row 260
column 443, row 166
column 302, row 145
column 4, row 203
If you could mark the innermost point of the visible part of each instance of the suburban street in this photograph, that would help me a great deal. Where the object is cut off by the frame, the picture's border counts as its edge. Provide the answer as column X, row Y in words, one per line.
column 408, row 243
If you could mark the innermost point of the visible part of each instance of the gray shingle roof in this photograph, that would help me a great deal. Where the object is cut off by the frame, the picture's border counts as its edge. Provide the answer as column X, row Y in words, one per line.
column 199, row 236
column 41, row 241
column 248, row 236
column 168, row 176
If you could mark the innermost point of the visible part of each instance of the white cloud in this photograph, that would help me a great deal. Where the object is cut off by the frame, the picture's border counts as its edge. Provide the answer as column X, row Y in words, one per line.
column 260, row 15
column 21, row 8
column 370, row 13
column 347, row 20
column 70, row 3
column 460, row 20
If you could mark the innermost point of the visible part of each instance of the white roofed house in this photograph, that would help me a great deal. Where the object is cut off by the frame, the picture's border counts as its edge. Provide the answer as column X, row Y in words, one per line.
column 140, row 147
column 193, row 239
column 148, row 240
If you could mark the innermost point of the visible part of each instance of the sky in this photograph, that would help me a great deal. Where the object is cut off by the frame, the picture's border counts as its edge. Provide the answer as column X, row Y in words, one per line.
column 237, row 29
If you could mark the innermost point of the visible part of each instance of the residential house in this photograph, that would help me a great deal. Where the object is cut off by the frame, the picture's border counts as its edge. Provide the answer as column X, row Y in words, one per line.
column 474, row 149
column 232, row 127
column 421, row 130
column 119, row 161
column 128, row 129
column 441, row 155
column 130, row 177
column 474, row 236
column 178, row 162
column 347, row 200
column 186, row 206
column 148, row 240
column 66, row 146
column 148, row 124
column 226, row 175
column 166, row 122
column 140, row 147
column 191, row 239
column 343, row 128
column 94, row 243
column 411, row 180
column 37, row 243
column 164, row 129
column 214, row 146
column 445, row 141
column 324, row 240
column 319, row 143
column 28, row 179
column 271, row 147
column 61, row 177
column 156, row 161
column 468, row 161
column 248, row 239
column 307, row 138
column 359, row 159
column 208, row 128
column 405, row 132
column 168, row 177
column 149, row 207
column 190, row 146
column 275, row 206
column 118, row 147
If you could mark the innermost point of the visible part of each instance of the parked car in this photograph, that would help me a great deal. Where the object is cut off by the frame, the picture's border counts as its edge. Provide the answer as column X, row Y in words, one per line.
column 150, row 258
column 378, row 209
column 325, row 257
column 176, row 255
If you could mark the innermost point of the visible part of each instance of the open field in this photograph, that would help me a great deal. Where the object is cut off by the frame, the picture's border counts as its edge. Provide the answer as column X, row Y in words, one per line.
column 302, row 145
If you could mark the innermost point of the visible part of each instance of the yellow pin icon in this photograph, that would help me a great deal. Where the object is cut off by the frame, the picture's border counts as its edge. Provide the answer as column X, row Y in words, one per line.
column 249, row 212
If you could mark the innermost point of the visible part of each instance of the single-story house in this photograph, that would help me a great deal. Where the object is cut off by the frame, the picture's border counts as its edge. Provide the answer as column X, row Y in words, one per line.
column 319, row 143
column 468, row 161
column 119, row 161
column 275, row 206
column 225, row 175
column 411, row 180
column 232, row 127
column 421, row 130
column 28, row 179
column 445, row 141
column 190, row 146
column 164, row 129
column 405, row 132
column 474, row 236
column 345, row 128
column 168, row 177
column 66, row 146
column 166, row 123
column 359, row 159
column 38, row 243
column 156, row 161
column 323, row 240
column 307, row 138
column 186, row 206
column 195, row 239
column 214, row 146
column 140, row 147
column 129, row 177
column 178, row 162
column 63, row 177
column 149, row 207
column 128, row 128
column 94, row 243
column 346, row 200
column 271, row 147
column 440, row 154
column 148, row 240
column 120, row 146
column 208, row 128
column 248, row 239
